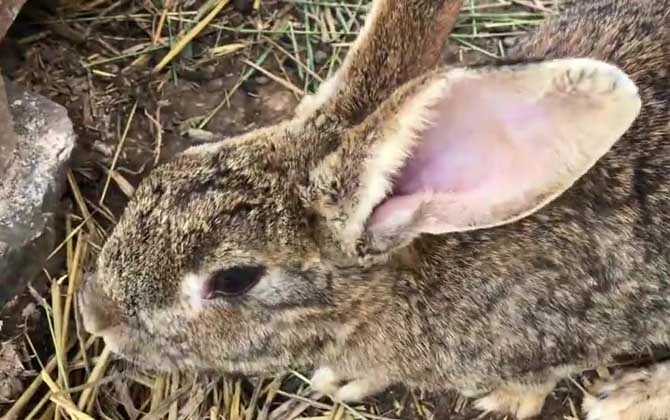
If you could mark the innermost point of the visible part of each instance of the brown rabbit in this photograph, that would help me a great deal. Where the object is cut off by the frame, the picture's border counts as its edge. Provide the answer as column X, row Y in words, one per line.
column 490, row 229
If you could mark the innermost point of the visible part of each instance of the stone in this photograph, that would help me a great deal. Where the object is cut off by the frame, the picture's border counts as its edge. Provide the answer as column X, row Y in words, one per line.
column 510, row 41
column 243, row 6
column 31, row 187
column 9, row 9
column 8, row 138
column 11, row 373
column 321, row 57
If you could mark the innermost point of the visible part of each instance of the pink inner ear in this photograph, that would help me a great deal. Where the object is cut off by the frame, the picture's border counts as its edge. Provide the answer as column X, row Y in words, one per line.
column 487, row 145
column 477, row 138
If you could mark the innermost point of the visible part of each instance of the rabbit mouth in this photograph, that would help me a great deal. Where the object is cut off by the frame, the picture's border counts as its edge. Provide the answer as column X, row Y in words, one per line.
column 145, row 352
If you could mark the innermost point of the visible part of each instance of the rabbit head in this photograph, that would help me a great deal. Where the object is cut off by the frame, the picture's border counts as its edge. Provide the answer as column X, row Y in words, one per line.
column 285, row 246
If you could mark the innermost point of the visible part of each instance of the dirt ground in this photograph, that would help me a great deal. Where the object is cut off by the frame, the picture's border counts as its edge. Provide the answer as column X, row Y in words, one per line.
column 96, row 60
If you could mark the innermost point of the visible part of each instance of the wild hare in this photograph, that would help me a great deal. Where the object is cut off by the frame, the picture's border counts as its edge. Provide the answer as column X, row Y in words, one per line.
column 490, row 229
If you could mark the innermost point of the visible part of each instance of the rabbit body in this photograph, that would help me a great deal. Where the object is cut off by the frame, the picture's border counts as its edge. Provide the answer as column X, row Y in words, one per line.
column 563, row 287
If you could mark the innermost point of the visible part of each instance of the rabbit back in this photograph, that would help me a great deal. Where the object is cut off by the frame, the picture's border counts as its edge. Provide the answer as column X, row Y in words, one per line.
column 587, row 277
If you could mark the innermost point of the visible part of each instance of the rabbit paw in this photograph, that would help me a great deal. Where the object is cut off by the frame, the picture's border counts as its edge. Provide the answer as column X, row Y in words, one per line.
column 640, row 394
column 522, row 401
column 358, row 389
column 327, row 381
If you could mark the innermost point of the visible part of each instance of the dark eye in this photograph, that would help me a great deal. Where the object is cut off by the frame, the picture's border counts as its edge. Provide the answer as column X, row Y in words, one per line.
column 233, row 281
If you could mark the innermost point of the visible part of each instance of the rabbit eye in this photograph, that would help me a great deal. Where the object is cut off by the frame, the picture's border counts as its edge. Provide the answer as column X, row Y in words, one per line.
column 233, row 281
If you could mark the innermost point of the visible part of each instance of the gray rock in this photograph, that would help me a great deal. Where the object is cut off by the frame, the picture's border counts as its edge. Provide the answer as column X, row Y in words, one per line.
column 31, row 188
column 510, row 41
column 9, row 9
column 8, row 138
column 321, row 57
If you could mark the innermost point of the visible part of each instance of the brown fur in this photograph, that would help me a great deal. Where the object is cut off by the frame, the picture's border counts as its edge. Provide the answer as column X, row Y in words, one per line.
column 570, row 287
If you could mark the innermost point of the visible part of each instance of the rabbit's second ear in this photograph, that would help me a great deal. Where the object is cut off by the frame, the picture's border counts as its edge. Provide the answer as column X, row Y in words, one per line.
column 400, row 41
column 471, row 149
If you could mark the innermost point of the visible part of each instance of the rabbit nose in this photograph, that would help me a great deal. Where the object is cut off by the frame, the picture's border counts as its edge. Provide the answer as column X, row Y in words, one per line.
column 98, row 311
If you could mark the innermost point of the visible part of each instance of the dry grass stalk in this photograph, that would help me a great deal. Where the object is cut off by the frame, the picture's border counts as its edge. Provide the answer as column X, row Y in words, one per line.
column 288, row 85
column 183, row 41
column 118, row 153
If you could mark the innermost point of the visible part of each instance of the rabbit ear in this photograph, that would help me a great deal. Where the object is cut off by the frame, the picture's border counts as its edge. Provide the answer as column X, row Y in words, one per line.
column 471, row 149
column 400, row 40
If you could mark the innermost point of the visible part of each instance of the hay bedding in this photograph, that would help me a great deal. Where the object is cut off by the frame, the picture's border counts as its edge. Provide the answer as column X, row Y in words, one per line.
column 143, row 80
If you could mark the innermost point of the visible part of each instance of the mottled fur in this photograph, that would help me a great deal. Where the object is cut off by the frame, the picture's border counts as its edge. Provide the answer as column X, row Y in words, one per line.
column 567, row 288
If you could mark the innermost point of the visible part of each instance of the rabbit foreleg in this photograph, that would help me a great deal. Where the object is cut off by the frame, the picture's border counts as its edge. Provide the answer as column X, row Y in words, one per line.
column 340, row 388
column 520, row 400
